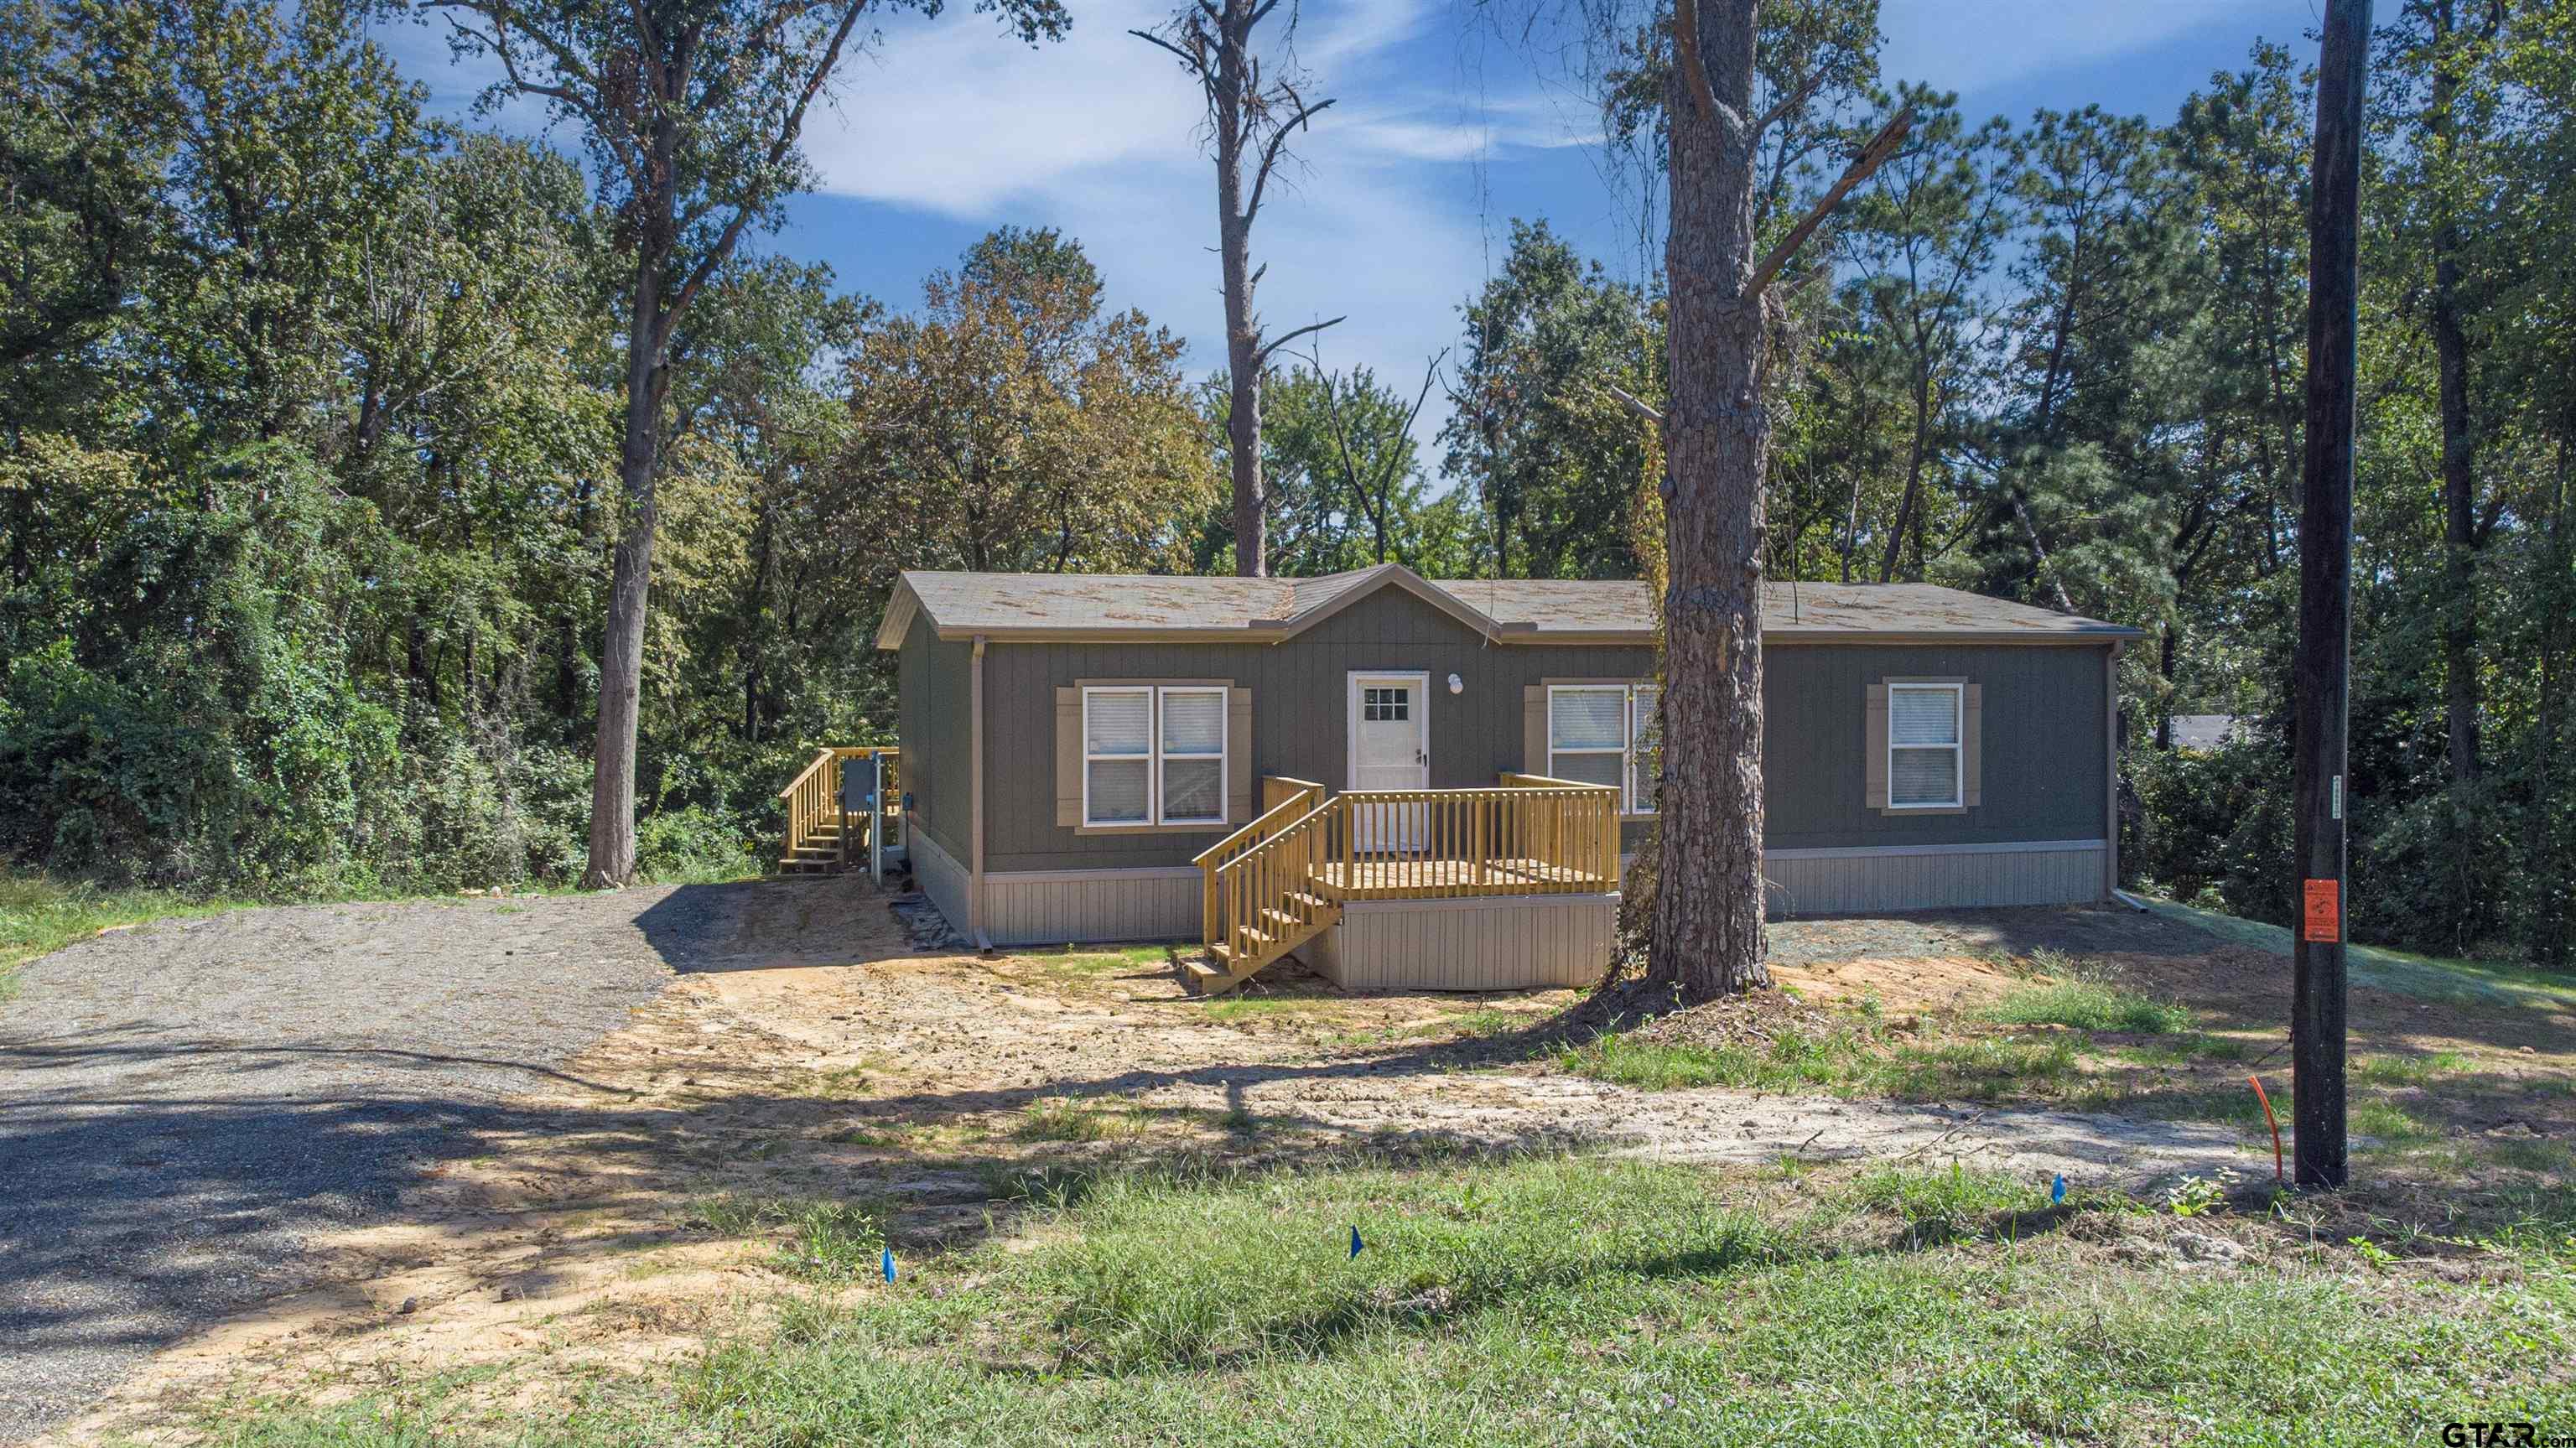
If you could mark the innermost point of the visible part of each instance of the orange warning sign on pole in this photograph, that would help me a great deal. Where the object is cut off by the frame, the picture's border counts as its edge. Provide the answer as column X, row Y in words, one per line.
column 2321, row 923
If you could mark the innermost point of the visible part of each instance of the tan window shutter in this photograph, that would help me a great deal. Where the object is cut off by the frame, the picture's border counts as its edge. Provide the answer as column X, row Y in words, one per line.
column 1238, row 756
column 1068, row 757
column 1534, row 729
column 1971, row 776
column 1874, row 751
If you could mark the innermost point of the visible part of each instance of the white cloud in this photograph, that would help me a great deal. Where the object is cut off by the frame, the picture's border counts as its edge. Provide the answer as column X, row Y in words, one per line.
column 1099, row 135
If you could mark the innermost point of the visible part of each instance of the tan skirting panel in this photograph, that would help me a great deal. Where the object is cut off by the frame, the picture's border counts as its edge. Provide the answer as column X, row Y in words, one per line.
column 941, row 877
column 1501, row 942
column 1063, row 907
column 1931, row 877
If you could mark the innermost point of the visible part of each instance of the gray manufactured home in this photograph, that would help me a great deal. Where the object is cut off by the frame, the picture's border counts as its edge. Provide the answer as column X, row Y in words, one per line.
column 1424, row 783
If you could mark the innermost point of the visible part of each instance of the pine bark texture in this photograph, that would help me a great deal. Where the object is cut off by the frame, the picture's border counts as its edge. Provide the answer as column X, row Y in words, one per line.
column 1708, row 937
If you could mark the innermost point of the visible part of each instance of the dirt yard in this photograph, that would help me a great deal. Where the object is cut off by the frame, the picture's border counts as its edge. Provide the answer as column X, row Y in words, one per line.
column 809, row 1050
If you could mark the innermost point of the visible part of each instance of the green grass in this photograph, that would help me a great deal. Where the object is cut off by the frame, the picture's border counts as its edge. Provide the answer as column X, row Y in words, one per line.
column 2087, row 1006
column 2402, row 972
column 2186, row 1048
column 1560, row 1301
column 1064, row 1118
column 40, row 915
column 1090, row 962
column 1263, row 1007
column 2407, row 1070
column 2384, row 1123
column 1844, row 1060
column 822, row 1239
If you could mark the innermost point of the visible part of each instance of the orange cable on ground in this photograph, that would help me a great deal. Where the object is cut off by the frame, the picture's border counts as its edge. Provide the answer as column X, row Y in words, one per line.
column 2275, row 1122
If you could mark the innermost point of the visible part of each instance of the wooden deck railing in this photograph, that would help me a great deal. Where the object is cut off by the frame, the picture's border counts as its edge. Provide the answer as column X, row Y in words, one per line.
column 1271, row 884
column 814, row 797
column 1284, row 801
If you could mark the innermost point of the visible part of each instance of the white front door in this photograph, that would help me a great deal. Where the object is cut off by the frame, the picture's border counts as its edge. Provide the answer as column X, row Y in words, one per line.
column 1390, row 733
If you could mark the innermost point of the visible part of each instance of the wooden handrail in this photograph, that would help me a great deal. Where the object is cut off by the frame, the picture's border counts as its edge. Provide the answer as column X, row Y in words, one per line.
column 1279, row 879
column 814, row 796
column 1286, row 802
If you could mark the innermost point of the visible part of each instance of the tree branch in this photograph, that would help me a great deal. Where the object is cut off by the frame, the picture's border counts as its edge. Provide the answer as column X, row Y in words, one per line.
column 1694, row 72
column 1278, row 143
column 1871, row 156
column 779, row 147
column 1788, row 104
column 1187, row 59
column 1261, row 357
column 1638, row 405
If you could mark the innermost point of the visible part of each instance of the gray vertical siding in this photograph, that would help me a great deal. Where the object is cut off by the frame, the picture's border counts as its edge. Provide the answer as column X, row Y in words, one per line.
column 1299, row 727
column 2044, row 758
column 2043, row 746
column 932, row 714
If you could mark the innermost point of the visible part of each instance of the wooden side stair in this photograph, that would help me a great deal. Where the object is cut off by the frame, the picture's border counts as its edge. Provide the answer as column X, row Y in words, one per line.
column 1262, row 896
column 819, row 853
column 816, row 821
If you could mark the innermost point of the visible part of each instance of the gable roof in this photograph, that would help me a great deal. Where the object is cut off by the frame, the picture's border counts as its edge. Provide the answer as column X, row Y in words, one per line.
column 1156, row 607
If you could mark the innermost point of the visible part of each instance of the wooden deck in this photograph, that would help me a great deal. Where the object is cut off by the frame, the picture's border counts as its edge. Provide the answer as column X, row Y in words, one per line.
column 1286, row 877
column 1411, row 878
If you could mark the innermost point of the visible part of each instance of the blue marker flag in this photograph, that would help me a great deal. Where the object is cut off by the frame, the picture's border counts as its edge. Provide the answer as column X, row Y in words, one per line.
column 2057, row 1191
column 1356, row 1243
column 888, row 1263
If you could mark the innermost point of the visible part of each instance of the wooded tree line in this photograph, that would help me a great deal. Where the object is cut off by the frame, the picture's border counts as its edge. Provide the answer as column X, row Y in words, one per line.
column 316, row 464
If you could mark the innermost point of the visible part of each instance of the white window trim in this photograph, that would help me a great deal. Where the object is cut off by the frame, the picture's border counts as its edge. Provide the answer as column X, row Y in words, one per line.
column 1223, row 744
column 1154, row 756
column 1957, row 746
column 1629, row 804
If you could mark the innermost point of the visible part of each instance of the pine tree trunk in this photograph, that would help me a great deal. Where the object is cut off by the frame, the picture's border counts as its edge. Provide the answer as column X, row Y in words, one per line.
column 1708, row 902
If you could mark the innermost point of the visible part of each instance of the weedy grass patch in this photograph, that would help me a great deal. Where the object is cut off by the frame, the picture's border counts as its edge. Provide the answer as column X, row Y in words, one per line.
column 1572, row 1300
column 2088, row 1006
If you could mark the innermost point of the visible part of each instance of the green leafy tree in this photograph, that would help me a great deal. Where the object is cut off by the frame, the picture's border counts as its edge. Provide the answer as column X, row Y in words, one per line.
column 1553, row 459
column 1016, row 424
column 691, row 112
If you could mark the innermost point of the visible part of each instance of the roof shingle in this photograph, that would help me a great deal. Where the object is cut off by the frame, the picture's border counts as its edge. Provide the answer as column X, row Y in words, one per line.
column 1041, row 604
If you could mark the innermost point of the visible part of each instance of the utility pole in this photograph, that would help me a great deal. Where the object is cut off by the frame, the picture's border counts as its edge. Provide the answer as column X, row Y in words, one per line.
column 2321, row 677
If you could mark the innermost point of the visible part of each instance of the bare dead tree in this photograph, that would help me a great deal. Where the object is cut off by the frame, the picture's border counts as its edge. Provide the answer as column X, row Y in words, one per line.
column 1707, row 938
column 1251, row 113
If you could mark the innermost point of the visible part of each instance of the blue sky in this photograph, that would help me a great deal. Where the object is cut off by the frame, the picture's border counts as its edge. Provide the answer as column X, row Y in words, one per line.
column 1444, row 131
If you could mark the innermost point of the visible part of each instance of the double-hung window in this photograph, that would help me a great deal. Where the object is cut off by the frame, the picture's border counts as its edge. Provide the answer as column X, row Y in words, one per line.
column 1153, row 755
column 1923, row 746
column 1607, row 734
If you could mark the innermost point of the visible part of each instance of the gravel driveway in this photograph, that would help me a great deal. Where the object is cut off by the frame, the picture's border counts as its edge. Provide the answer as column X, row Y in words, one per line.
column 181, row 1103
